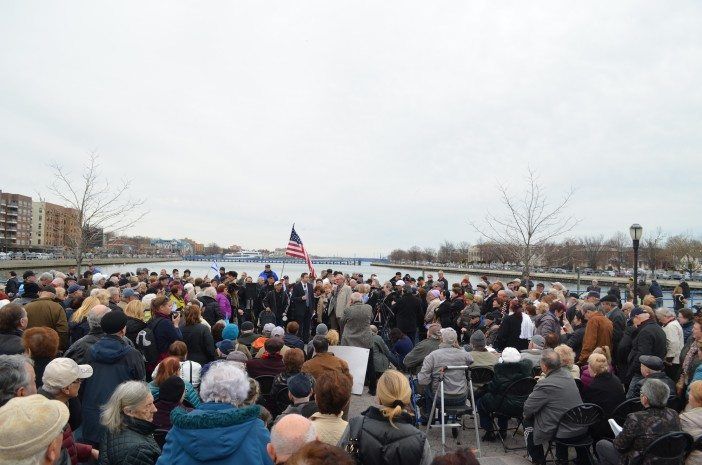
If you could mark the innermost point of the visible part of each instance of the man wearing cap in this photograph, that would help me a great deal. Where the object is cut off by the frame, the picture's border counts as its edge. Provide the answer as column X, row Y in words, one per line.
column 113, row 361
column 478, row 350
column 31, row 430
column 268, row 273
column 469, row 321
column 74, row 292
column 536, row 348
column 299, row 392
column 302, row 298
column 648, row 339
column 128, row 295
column 652, row 367
column 414, row 359
column 449, row 353
column 271, row 364
column 598, row 332
column 246, row 334
column 276, row 333
column 61, row 381
column 46, row 312
column 609, row 305
column 277, row 301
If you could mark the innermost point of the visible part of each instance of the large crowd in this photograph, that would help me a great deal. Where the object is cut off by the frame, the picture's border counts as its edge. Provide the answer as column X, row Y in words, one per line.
column 146, row 367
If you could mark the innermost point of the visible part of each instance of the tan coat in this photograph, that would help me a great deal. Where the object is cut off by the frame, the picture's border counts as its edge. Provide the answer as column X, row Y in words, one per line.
column 325, row 362
column 329, row 427
column 691, row 422
column 46, row 312
column 343, row 299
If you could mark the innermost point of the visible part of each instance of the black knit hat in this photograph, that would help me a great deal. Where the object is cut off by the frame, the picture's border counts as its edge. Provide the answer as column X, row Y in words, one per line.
column 172, row 389
column 113, row 322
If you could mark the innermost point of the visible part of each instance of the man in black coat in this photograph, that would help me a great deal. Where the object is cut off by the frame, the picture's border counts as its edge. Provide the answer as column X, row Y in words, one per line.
column 302, row 297
column 277, row 301
column 609, row 305
column 407, row 310
column 647, row 339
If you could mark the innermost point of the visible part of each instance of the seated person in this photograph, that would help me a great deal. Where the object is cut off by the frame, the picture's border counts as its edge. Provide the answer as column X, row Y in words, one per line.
column 605, row 390
column 652, row 367
column 449, row 353
column 536, row 347
column 401, row 345
column 554, row 395
column 691, row 420
column 171, row 395
column 414, row 359
column 509, row 368
column 481, row 356
column 641, row 428
column 299, row 392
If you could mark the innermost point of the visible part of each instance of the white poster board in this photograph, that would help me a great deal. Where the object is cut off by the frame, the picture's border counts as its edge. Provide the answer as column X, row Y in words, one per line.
column 357, row 358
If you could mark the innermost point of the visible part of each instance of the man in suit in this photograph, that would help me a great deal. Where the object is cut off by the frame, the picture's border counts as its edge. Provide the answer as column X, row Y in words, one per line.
column 302, row 298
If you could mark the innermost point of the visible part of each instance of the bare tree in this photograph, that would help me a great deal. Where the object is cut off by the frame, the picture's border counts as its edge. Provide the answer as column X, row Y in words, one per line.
column 593, row 246
column 429, row 254
column 652, row 247
column 398, row 255
column 447, row 252
column 99, row 206
column 529, row 222
column 414, row 254
column 621, row 249
column 685, row 252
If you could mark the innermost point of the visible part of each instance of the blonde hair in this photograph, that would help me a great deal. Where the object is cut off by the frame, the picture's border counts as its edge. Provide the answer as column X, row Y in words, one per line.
column 128, row 396
column 333, row 337
column 541, row 308
column 604, row 350
column 103, row 295
column 649, row 300
column 598, row 364
column 696, row 391
column 135, row 309
column 393, row 394
column 82, row 312
column 567, row 355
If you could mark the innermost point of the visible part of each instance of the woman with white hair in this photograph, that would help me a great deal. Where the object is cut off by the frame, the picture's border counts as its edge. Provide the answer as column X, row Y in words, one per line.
column 220, row 430
column 128, row 417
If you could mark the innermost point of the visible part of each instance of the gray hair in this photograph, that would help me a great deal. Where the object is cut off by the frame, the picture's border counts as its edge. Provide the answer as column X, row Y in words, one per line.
column 46, row 275
column 13, row 376
column 225, row 383
column 374, row 329
column 95, row 314
column 664, row 312
column 289, row 434
column 588, row 307
column 210, row 292
column 127, row 396
column 550, row 359
column 356, row 297
column 113, row 290
column 656, row 392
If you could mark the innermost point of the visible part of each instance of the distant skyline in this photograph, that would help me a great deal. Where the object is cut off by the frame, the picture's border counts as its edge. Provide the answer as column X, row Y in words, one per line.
column 371, row 126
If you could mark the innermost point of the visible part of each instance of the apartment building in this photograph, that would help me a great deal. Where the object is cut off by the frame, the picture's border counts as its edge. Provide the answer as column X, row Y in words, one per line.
column 53, row 225
column 15, row 220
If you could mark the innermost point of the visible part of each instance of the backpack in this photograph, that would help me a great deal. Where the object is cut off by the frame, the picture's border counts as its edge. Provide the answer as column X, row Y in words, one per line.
column 145, row 342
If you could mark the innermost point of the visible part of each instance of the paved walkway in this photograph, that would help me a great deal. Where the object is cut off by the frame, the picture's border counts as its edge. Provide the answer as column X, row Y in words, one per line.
column 492, row 452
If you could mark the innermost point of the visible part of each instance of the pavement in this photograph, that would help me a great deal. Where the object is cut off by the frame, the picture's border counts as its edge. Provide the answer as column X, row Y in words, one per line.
column 491, row 453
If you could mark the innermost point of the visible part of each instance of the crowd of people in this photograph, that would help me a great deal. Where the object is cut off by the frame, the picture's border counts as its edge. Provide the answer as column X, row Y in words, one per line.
column 146, row 367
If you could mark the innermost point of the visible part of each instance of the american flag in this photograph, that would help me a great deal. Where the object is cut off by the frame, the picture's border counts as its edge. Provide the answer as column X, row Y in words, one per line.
column 297, row 250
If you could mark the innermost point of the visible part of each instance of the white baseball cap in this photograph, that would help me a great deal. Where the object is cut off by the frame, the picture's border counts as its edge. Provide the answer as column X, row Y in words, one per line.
column 399, row 282
column 61, row 372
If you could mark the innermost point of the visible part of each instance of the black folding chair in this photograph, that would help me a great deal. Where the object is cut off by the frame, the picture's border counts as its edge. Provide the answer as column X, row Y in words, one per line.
column 481, row 375
column 583, row 416
column 581, row 386
column 281, row 401
column 622, row 410
column 519, row 388
column 536, row 371
column 266, row 384
column 669, row 449
column 675, row 403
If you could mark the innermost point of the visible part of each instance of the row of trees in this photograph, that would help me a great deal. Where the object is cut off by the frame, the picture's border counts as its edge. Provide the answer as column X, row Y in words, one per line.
column 680, row 252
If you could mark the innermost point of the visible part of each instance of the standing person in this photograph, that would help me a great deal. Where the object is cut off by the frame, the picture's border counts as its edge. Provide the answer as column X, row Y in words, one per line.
column 390, row 437
column 341, row 295
column 165, row 325
column 609, row 305
column 127, row 417
column 211, row 311
column 225, row 304
column 113, row 362
column 197, row 337
column 12, row 285
column 356, row 322
column 598, row 331
column 268, row 273
column 381, row 359
column 648, row 339
column 508, row 335
column 674, row 340
column 277, row 302
column 407, row 311
column 302, row 299
column 678, row 299
column 46, row 312
column 41, row 345
column 13, row 321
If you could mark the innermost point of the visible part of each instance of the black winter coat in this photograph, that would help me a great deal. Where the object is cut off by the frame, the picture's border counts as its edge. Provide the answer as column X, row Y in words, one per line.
column 406, row 311
column 134, row 325
column 648, row 339
column 508, row 334
column 201, row 346
column 210, row 310
column 382, row 444
column 607, row 391
column 11, row 342
column 134, row 444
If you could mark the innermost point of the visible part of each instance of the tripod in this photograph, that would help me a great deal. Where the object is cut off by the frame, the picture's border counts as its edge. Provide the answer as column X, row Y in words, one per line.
column 457, row 411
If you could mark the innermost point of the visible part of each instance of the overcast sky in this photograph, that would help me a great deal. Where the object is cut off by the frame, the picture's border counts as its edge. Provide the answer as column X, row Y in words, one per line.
column 371, row 125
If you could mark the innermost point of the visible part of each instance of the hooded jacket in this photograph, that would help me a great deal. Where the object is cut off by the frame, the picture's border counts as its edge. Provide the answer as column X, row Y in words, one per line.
column 216, row 434
column 113, row 362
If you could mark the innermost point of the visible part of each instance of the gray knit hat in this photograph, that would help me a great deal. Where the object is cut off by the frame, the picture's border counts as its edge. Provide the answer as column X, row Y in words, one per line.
column 477, row 339
column 28, row 425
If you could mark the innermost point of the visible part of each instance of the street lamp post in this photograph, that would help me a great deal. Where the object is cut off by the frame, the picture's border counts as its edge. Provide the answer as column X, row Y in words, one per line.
column 635, row 231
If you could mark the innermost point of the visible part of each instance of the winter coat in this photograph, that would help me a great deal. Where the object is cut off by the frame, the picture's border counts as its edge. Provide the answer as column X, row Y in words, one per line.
column 11, row 342
column 339, row 301
column 278, row 303
column 413, row 361
column 381, row 355
column 216, row 434
column 547, row 323
column 293, row 341
column 162, row 417
column 648, row 339
column 46, row 312
column 165, row 333
column 655, row 289
column 402, row 347
column 356, row 323
column 324, row 362
column 113, row 362
column 76, row 451
column 508, row 334
column 691, row 423
column 598, row 333
column 575, row 340
column 79, row 349
column 406, row 311
column 134, row 325
column 200, row 343
column 506, row 374
column 642, row 428
column 134, row 444
column 191, row 395
column 225, row 306
column 269, row 366
column 449, row 311
column 551, row 398
column 607, row 391
column 78, row 330
column 618, row 319
column 455, row 383
column 210, row 310
column 384, row 444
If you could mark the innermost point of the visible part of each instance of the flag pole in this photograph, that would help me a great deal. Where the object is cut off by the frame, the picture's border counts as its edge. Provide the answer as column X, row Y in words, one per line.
column 282, row 273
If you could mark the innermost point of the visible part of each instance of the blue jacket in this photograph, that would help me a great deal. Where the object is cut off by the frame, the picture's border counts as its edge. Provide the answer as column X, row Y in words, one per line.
column 265, row 275
column 113, row 362
column 655, row 289
column 165, row 333
column 216, row 434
